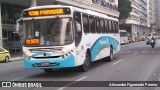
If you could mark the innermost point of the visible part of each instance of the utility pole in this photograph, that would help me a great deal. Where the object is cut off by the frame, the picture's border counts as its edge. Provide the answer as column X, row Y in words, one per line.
column 33, row 3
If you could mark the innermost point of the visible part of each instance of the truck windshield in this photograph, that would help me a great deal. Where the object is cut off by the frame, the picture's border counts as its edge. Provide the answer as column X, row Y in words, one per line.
column 48, row 32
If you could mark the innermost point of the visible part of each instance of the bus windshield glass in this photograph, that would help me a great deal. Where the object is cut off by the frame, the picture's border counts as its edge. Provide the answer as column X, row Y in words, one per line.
column 123, row 34
column 48, row 32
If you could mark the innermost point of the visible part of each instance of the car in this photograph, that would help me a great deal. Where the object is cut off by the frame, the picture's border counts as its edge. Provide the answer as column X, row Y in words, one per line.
column 4, row 55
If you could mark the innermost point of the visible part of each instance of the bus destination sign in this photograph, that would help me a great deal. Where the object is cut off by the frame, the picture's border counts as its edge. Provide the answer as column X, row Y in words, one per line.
column 47, row 12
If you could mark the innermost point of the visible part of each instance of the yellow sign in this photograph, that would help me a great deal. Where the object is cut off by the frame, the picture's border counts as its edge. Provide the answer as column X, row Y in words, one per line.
column 46, row 12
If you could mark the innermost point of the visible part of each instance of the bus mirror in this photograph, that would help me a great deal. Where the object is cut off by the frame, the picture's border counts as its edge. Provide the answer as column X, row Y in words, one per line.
column 78, row 27
column 18, row 26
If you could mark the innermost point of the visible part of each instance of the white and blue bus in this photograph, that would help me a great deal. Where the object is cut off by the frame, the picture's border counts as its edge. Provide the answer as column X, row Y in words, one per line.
column 123, row 36
column 57, row 36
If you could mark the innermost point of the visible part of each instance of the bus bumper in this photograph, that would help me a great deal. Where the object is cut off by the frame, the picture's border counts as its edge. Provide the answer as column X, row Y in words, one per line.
column 54, row 63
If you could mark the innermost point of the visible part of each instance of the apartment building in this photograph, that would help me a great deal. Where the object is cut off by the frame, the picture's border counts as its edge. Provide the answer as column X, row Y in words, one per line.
column 136, row 23
column 152, row 12
column 158, row 14
column 143, row 18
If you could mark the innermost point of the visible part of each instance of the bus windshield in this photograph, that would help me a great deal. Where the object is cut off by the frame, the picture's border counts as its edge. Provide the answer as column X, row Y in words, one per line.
column 123, row 34
column 48, row 32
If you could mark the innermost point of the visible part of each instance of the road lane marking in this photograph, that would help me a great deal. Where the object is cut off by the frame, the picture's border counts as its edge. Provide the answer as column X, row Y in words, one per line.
column 26, row 76
column 143, row 51
column 135, row 53
column 117, row 62
column 147, row 52
column 72, row 83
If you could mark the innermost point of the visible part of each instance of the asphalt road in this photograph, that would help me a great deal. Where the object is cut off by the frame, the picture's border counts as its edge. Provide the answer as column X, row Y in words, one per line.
column 135, row 62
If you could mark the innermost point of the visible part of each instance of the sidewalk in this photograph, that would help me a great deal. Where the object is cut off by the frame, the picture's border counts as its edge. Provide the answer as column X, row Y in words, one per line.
column 16, row 56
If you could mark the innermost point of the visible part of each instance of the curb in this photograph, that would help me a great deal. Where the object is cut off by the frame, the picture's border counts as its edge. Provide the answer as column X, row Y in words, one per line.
column 15, row 60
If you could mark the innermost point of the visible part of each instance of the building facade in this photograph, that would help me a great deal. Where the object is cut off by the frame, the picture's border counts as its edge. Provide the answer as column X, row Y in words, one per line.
column 152, row 12
column 158, row 14
column 143, row 18
column 109, row 7
column 136, row 23
column 10, row 11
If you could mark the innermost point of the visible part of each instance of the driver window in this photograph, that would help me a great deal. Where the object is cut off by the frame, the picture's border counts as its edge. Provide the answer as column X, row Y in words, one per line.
column 78, row 34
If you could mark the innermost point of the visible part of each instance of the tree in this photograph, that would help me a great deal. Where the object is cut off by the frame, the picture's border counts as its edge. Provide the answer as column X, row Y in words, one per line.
column 124, row 7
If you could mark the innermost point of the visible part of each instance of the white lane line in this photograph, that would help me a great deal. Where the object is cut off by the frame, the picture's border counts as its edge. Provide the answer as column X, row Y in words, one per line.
column 147, row 52
column 143, row 51
column 26, row 76
column 72, row 83
column 127, row 51
column 18, row 78
column 135, row 53
column 120, row 52
column 117, row 62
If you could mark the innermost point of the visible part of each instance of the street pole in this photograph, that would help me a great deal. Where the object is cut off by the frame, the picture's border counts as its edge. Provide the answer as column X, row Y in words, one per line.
column 33, row 3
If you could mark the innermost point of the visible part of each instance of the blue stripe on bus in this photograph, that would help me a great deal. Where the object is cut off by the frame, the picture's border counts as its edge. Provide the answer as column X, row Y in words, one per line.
column 68, row 61
column 101, row 43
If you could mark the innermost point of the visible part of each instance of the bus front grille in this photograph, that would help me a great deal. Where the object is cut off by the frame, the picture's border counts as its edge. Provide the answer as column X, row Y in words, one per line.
column 46, row 57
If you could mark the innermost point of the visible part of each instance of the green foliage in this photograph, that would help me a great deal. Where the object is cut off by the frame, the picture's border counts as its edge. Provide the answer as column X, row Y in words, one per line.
column 124, row 7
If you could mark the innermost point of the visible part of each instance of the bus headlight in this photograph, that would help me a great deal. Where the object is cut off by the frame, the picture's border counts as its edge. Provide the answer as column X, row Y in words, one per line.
column 28, row 57
column 67, row 54
column 63, row 56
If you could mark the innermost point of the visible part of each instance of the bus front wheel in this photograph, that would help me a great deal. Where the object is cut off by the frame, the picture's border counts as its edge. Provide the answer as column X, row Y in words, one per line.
column 86, row 65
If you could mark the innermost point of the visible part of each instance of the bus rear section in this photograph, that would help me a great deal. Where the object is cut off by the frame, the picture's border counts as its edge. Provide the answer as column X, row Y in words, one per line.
column 123, row 36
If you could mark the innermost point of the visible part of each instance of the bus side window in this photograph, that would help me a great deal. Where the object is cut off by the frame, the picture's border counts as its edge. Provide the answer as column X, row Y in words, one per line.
column 106, row 26
column 113, row 27
column 97, row 25
column 85, row 23
column 117, row 27
column 110, row 26
column 92, row 24
column 102, row 26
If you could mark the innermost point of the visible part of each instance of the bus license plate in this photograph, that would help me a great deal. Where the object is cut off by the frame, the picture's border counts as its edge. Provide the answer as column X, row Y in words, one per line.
column 45, row 63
